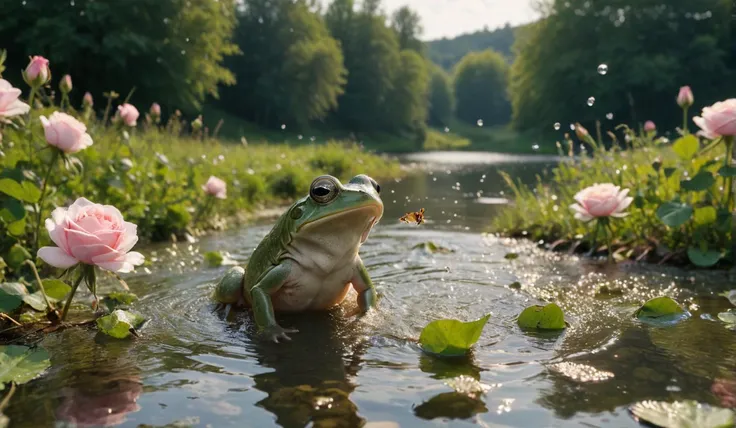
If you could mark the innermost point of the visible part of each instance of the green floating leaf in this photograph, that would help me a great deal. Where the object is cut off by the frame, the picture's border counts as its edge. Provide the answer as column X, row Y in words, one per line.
column 701, row 181
column 727, row 171
column 511, row 256
column 214, row 258
column 118, row 298
column 26, row 191
column 120, row 324
column 730, row 295
column 11, row 296
column 549, row 317
column 659, row 307
column 431, row 247
column 451, row 338
column 702, row 258
column 674, row 214
column 686, row 147
column 21, row 364
column 729, row 317
column 683, row 414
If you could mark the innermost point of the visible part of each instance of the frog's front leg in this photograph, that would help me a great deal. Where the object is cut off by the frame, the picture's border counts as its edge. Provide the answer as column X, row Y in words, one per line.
column 363, row 285
column 260, row 296
column 229, row 291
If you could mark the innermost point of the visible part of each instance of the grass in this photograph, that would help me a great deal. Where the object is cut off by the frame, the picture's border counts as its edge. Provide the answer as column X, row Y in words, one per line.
column 658, row 174
column 500, row 138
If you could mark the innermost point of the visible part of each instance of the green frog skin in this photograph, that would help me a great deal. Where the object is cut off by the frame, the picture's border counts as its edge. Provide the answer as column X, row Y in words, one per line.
column 309, row 260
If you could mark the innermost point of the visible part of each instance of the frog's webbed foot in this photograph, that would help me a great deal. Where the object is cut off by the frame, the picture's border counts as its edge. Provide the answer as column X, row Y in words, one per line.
column 276, row 332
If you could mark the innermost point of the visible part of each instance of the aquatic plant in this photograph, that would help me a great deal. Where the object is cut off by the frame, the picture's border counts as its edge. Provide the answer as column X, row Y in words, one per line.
column 681, row 193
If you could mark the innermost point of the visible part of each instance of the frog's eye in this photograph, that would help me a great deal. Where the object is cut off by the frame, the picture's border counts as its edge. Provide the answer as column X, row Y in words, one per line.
column 323, row 190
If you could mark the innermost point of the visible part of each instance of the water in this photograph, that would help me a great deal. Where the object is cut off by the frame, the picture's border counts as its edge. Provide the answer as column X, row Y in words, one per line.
column 194, row 367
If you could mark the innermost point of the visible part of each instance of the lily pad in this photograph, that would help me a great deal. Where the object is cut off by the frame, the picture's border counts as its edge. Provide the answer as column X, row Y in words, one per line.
column 21, row 364
column 120, row 324
column 663, row 308
column 702, row 258
column 451, row 338
column 11, row 296
column 729, row 317
column 432, row 248
column 118, row 299
column 683, row 414
column 214, row 258
column 549, row 317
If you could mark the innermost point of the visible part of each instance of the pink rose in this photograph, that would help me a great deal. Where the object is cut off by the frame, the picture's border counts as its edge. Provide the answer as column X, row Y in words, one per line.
column 10, row 105
column 216, row 187
column 93, row 234
column 128, row 114
column 37, row 72
column 649, row 126
column 155, row 110
column 685, row 98
column 601, row 200
column 65, row 85
column 65, row 132
column 718, row 120
column 87, row 100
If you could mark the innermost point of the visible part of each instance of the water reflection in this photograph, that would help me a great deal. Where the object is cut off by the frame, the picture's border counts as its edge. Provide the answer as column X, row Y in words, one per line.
column 99, row 398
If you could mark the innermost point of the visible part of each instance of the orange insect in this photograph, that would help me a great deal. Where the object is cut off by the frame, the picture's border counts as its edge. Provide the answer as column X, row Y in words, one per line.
column 413, row 217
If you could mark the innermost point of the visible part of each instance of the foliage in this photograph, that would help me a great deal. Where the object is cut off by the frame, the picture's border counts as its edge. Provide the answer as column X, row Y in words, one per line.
column 651, row 49
column 293, row 72
column 659, row 307
column 448, row 52
column 407, row 101
column 441, row 98
column 120, row 324
column 20, row 364
column 548, row 317
column 679, row 213
column 176, row 46
column 450, row 338
column 683, row 414
column 213, row 258
column 437, row 140
column 480, row 88
column 407, row 25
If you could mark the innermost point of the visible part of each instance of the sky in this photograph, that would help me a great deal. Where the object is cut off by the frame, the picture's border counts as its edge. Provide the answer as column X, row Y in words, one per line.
column 450, row 18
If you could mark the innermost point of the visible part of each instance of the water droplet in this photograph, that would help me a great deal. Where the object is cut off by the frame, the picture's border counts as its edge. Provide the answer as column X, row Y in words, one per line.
column 312, row 138
column 591, row 101
column 187, row 39
column 183, row 52
column 71, row 3
column 283, row 126
column 480, row 122
column 572, row 127
column 300, row 136
column 557, row 126
column 609, row 116
column 260, row 20
column 166, row 20
column 535, row 147
column 447, row 129
column 602, row 69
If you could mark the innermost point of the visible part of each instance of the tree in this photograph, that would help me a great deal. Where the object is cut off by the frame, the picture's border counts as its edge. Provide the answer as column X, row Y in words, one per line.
column 171, row 51
column 448, row 52
column 407, row 25
column 480, row 88
column 441, row 99
column 293, row 71
column 407, row 104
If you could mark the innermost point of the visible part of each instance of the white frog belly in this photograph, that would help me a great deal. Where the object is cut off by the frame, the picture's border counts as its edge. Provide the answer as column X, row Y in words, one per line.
column 311, row 289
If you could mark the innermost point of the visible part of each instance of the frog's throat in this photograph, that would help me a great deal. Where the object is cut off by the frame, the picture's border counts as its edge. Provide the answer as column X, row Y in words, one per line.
column 372, row 212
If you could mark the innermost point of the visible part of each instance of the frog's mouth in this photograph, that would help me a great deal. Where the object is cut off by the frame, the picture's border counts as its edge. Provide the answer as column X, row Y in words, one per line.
column 359, row 219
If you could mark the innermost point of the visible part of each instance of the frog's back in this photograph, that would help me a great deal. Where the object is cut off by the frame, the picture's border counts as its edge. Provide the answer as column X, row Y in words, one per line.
column 267, row 253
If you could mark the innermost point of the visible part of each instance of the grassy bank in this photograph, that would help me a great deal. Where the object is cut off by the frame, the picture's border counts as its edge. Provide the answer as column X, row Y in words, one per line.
column 679, row 213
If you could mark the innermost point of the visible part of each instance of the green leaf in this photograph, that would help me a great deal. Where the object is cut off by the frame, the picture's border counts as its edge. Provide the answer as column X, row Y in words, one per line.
column 119, row 298
column 729, row 317
column 683, row 414
column 702, row 258
column 705, row 215
column 35, row 301
column 56, row 289
column 26, row 192
column 549, row 317
column 11, row 296
column 511, row 256
column 120, row 324
column 727, row 171
column 730, row 295
column 16, row 255
column 213, row 258
column 451, row 337
column 431, row 247
column 724, row 220
column 701, row 181
column 669, row 171
column 674, row 214
column 659, row 307
column 12, row 210
column 21, row 364
column 17, row 228
column 686, row 147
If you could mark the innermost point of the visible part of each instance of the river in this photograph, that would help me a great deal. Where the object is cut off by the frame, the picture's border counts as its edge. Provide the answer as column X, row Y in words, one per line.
column 192, row 367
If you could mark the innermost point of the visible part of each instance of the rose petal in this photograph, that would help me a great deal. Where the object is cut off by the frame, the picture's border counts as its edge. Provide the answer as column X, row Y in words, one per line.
column 56, row 257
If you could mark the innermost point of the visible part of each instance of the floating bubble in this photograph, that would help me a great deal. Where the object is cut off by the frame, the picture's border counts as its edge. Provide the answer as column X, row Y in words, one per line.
column 283, row 126
column 591, row 101
column 602, row 69
column 300, row 136
column 572, row 127
column 447, row 129
column 480, row 122
column 557, row 126
column 609, row 116
column 535, row 147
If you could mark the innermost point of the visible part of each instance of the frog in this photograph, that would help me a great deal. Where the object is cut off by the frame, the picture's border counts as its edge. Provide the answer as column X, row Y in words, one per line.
column 310, row 258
